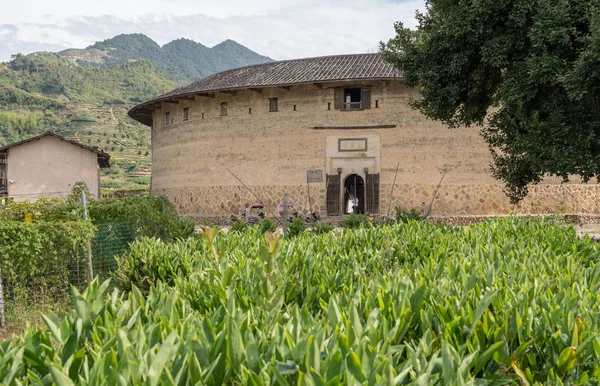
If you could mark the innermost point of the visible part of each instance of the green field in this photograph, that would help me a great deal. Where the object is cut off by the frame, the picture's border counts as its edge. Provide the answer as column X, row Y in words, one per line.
column 506, row 301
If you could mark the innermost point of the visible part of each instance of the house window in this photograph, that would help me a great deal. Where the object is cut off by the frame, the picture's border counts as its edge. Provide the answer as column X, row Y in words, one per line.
column 272, row 104
column 167, row 119
column 186, row 113
column 223, row 109
column 295, row 108
column 352, row 98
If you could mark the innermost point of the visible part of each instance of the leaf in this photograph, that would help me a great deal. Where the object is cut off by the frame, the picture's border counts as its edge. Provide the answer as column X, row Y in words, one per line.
column 567, row 359
column 448, row 367
column 483, row 359
column 518, row 371
column 168, row 348
column 59, row 377
column 484, row 303
column 353, row 365
column 287, row 368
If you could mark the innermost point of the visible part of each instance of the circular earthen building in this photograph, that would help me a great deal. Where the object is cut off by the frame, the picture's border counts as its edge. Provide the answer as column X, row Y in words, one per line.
column 328, row 131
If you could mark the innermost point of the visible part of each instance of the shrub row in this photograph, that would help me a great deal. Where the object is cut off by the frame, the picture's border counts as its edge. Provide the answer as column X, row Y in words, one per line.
column 150, row 216
column 507, row 301
column 43, row 256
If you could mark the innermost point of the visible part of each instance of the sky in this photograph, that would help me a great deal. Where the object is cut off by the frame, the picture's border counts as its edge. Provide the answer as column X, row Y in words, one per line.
column 282, row 29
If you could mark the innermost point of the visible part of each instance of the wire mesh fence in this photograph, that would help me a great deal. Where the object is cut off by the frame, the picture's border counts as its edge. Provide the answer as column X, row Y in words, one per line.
column 111, row 240
column 52, row 276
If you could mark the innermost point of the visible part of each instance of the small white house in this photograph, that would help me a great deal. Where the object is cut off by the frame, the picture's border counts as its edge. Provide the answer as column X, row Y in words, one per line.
column 48, row 165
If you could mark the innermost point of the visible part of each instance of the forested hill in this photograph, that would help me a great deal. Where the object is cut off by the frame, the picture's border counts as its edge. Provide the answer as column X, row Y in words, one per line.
column 84, row 94
column 181, row 60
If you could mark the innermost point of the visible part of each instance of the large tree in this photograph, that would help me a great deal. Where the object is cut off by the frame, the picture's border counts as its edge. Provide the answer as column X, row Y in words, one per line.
column 527, row 71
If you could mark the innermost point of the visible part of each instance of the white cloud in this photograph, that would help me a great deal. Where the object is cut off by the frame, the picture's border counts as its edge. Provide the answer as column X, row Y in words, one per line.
column 289, row 29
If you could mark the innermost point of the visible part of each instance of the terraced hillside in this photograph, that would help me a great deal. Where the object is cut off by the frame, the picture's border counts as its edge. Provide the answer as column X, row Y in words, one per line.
column 41, row 92
column 88, row 100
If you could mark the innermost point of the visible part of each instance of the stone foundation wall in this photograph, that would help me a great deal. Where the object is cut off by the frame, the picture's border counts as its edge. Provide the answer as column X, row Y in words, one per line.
column 450, row 200
column 489, row 199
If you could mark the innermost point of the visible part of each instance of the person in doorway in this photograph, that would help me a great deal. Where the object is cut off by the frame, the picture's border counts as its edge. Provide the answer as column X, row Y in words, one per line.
column 350, row 202
column 355, row 205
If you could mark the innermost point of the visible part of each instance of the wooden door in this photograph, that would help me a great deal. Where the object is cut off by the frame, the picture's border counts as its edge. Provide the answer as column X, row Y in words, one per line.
column 333, row 194
column 372, row 189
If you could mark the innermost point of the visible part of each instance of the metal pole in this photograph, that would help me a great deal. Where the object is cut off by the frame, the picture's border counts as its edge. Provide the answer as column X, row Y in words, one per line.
column 308, row 188
column 285, row 214
column 2, row 317
column 88, row 241
column 392, row 191
column 255, row 196
column 83, row 203
column 164, row 209
column 435, row 194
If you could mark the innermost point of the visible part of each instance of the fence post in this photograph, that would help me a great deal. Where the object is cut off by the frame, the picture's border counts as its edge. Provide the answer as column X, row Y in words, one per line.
column 2, row 316
column 285, row 214
column 87, row 242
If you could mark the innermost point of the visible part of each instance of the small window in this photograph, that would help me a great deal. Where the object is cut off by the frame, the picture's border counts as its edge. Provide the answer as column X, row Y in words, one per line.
column 186, row 113
column 223, row 109
column 202, row 115
column 328, row 105
column 352, row 98
column 295, row 108
column 167, row 119
column 376, row 104
column 272, row 104
column 250, row 110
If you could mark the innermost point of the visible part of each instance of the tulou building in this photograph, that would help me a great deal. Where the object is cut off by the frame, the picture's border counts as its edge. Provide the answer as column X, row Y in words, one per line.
column 324, row 130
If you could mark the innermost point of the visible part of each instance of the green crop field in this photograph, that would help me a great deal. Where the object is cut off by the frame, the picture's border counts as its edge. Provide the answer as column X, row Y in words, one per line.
column 504, row 302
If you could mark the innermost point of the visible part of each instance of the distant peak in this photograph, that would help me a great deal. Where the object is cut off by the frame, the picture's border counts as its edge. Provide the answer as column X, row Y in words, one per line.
column 183, row 41
column 125, row 39
column 228, row 42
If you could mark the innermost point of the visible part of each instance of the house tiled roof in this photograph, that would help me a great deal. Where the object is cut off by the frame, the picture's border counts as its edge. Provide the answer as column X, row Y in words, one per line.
column 284, row 73
column 103, row 158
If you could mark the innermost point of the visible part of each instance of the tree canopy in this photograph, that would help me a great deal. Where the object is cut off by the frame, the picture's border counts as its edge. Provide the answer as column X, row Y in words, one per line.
column 526, row 71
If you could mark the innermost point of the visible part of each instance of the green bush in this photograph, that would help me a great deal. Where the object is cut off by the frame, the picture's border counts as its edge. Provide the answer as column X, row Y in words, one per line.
column 146, row 213
column 266, row 225
column 152, row 260
column 43, row 256
column 296, row 227
column 405, row 216
column 239, row 226
column 180, row 228
column 354, row 220
column 321, row 228
column 503, row 302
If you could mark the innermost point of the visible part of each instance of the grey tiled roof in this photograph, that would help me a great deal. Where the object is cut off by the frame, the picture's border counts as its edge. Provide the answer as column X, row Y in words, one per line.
column 103, row 158
column 284, row 73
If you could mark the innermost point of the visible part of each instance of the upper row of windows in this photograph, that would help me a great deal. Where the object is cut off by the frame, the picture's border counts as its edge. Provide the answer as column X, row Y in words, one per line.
column 349, row 98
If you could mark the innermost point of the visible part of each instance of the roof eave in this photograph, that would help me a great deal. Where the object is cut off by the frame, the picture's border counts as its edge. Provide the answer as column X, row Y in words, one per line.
column 146, row 119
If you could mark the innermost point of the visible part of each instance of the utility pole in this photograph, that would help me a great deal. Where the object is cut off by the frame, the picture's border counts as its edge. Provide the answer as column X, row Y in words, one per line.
column 87, row 242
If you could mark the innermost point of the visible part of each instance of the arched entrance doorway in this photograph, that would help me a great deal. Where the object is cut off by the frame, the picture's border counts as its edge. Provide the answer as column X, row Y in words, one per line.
column 354, row 186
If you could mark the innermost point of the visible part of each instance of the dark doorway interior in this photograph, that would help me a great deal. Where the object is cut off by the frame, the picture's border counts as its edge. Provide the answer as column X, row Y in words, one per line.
column 354, row 186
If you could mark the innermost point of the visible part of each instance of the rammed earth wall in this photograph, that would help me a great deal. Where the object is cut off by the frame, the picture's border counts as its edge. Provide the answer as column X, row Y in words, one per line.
column 272, row 151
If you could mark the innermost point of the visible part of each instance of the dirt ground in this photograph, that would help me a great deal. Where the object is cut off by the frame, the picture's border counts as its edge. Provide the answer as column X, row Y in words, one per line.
column 592, row 230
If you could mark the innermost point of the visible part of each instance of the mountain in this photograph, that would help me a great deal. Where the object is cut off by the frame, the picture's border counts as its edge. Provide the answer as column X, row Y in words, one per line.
column 84, row 94
column 181, row 60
